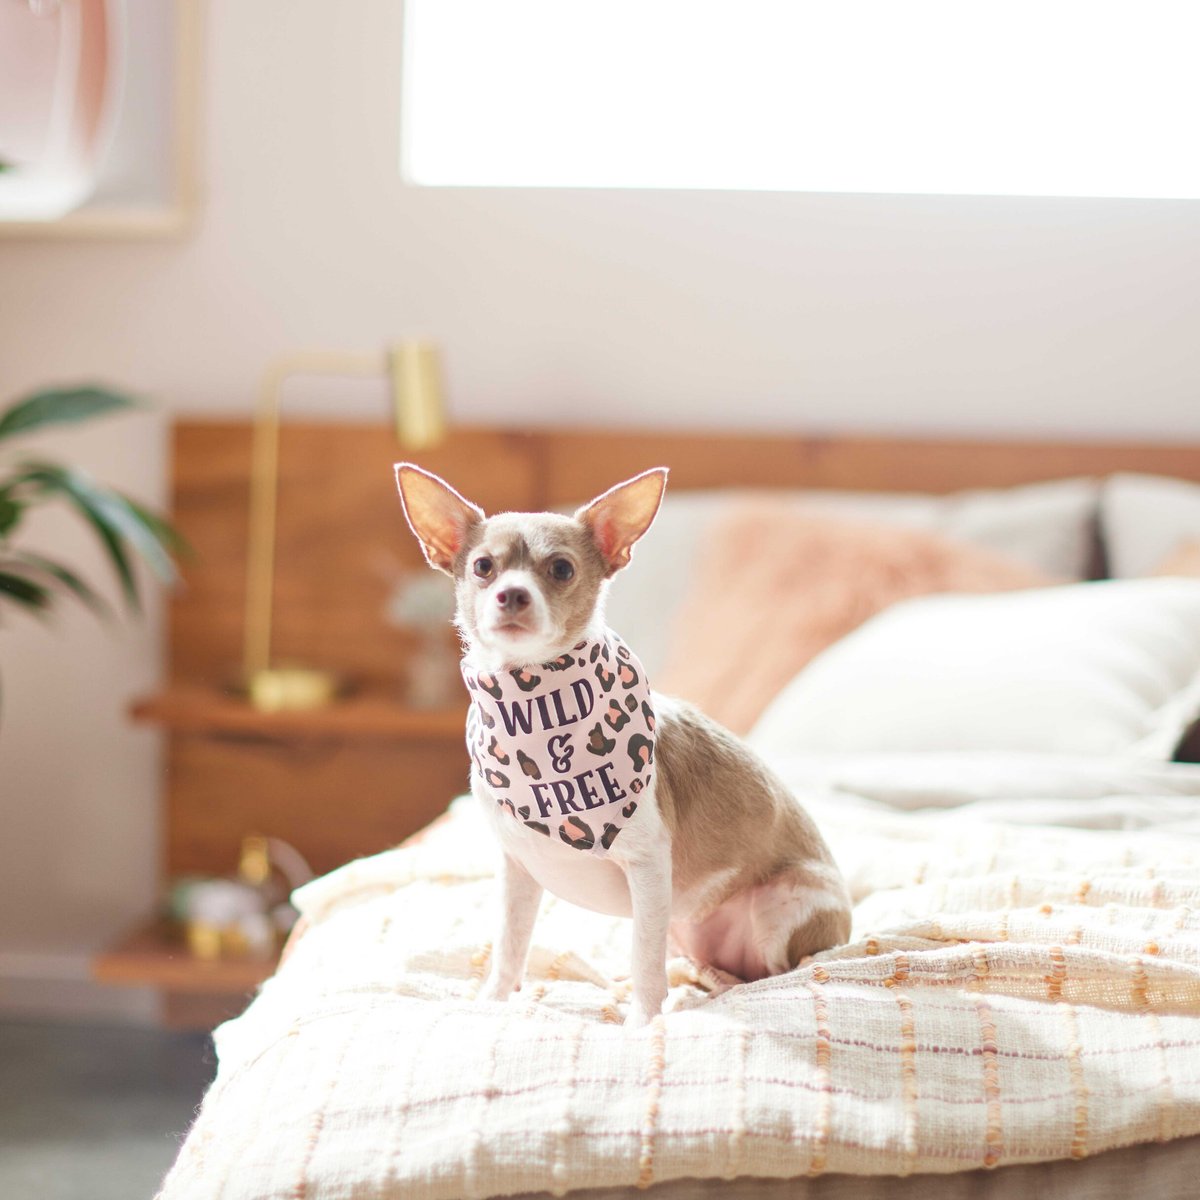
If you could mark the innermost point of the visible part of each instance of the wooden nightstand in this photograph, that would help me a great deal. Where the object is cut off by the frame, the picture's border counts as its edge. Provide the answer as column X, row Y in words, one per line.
column 337, row 783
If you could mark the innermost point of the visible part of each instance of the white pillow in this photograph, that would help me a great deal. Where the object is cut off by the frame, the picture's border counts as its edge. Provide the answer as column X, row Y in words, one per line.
column 1049, row 526
column 1144, row 518
column 1087, row 668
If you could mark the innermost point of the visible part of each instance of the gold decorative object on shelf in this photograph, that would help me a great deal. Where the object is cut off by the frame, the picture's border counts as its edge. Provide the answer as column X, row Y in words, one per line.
column 291, row 689
column 245, row 915
column 413, row 373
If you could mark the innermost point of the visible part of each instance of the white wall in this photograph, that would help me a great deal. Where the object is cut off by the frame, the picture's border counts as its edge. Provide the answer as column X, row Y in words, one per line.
column 827, row 312
column 1022, row 315
column 78, row 784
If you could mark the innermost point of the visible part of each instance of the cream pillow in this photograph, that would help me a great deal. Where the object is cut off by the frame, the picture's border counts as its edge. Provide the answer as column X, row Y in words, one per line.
column 1087, row 668
column 1144, row 520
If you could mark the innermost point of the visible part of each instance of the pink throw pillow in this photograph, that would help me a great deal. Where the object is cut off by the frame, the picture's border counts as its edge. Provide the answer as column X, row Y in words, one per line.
column 776, row 586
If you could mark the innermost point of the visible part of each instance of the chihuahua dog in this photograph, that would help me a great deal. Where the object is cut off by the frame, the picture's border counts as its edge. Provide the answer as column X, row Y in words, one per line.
column 606, row 794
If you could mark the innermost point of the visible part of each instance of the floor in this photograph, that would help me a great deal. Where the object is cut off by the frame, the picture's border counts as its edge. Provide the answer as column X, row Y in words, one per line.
column 94, row 1112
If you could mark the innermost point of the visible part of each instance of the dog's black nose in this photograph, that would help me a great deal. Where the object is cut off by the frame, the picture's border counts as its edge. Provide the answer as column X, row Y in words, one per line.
column 513, row 599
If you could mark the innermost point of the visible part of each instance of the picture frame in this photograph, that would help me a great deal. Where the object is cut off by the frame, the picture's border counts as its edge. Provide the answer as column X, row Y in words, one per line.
column 147, row 183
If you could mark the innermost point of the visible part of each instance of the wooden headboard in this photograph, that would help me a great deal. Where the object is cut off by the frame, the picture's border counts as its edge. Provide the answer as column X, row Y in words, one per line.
column 341, row 530
column 355, row 779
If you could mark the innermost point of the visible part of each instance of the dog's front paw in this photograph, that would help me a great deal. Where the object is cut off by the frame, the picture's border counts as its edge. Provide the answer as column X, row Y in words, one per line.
column 497, row 989
column 639, row 1018
column 640, row 1015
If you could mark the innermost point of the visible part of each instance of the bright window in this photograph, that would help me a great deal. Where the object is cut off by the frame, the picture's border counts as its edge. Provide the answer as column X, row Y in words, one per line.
column 992, row 97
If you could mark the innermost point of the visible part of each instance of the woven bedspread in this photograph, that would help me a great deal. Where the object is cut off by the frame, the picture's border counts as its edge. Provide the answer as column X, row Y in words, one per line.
column 1014, row 992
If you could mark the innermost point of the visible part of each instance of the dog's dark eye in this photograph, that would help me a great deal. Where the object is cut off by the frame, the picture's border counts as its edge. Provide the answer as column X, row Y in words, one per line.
column 562, row 570
column 482, row 567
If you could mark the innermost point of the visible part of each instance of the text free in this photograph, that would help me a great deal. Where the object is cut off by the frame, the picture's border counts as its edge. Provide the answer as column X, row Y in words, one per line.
column 565, row 792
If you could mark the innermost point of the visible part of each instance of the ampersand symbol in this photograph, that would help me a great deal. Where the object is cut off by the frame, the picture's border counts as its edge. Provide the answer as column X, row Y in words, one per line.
column 560, row 754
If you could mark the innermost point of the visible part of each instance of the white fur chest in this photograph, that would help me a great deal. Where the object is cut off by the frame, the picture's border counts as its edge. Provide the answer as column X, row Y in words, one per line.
column 591, row 882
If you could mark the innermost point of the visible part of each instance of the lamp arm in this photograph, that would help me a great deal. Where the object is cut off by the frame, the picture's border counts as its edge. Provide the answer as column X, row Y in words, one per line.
column 264, row 489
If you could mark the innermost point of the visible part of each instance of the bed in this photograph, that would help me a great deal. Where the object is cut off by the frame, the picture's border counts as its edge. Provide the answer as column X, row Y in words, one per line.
column 1018, row 1008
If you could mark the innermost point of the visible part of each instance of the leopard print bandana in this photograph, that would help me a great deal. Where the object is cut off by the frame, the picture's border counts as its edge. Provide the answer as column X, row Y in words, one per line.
column 566, row 747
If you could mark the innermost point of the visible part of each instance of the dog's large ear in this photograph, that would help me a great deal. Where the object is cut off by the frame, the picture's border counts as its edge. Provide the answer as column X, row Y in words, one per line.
column 619, row 517
column 436, row 513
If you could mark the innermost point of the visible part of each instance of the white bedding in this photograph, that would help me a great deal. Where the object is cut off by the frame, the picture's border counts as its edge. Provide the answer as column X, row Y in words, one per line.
column 1017, row 990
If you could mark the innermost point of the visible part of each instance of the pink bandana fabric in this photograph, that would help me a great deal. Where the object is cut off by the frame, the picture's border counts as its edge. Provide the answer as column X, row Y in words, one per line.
column 566, row 747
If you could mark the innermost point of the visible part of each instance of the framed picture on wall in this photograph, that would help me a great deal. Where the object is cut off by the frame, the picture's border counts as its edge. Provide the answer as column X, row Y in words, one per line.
column 98, row 116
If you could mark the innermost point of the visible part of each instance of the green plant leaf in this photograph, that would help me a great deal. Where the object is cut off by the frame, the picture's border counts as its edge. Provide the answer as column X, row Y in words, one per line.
column 143, row 539
column 61, row 407
column 24, row 591
column 66, row 577
column 164, row 532
column 10, row 513
column 109, row 517
column 115, row 545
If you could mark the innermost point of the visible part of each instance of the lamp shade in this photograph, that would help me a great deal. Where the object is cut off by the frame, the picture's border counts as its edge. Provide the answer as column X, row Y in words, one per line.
column 415, row 374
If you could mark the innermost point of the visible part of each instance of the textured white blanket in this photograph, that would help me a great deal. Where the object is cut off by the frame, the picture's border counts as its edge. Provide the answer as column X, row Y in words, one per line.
column 1014, row 992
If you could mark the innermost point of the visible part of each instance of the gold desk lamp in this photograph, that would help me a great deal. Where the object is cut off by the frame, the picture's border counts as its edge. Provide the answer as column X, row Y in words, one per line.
column 414, row 377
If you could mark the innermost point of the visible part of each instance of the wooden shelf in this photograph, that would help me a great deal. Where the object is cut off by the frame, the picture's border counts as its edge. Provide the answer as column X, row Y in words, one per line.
column 153, row 955
column 367, row 714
